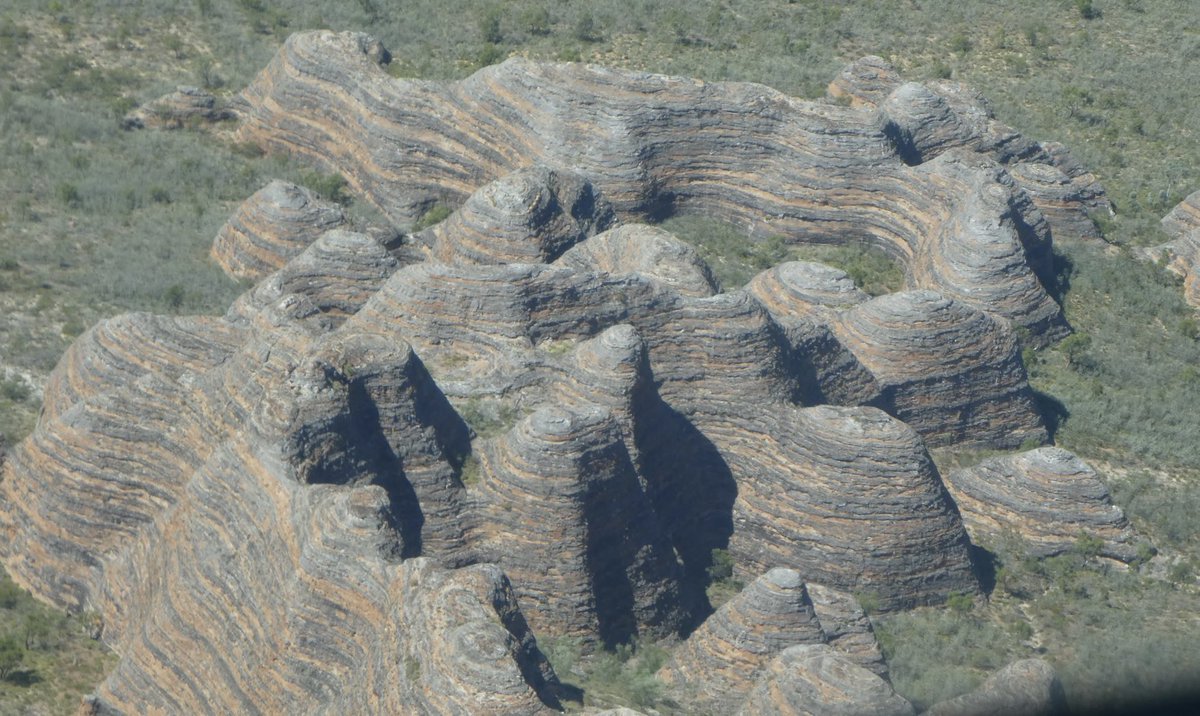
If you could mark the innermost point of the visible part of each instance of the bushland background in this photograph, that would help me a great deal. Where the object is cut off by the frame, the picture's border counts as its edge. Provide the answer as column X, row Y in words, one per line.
column 95, row 221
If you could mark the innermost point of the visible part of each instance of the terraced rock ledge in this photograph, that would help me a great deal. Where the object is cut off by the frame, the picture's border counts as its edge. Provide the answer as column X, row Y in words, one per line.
column 394, row 465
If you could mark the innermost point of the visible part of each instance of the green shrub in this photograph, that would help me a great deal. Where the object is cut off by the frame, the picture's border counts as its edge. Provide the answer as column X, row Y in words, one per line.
column 12, row 656
column 331, row 187
column 15, row 389
column 10, row 593
column 436, row 214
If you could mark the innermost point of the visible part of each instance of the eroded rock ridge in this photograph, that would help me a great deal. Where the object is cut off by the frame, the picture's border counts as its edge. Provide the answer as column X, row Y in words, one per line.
column 396, row 460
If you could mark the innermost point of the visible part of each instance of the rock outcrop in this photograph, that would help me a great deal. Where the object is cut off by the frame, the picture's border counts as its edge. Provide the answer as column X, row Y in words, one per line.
column 336, row 274
column 815, row 680
column 850, row 498
column 1047, row 497
column 924, row 350
column 653, row 145
column 847, row 628
column 530, row 216
column 563, row 513
column 1182, row 255
column 648, row 251
column 271, row 227
column 717, row 665
column 865, row 83
column 1028, row 687
column 931, row 118
column 399, row 456
column 178, row 109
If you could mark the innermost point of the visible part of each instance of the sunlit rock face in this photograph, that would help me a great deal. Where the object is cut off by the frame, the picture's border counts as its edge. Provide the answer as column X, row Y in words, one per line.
column 399, row 459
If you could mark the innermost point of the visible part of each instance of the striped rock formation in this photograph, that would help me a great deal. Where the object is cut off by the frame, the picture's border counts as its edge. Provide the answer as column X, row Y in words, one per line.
column 249, row 503
column 931, row 118
column 805, row 299
column 1182, row 255
column 865, row 83
column 1047, row 497
column 286, row 510
column 847, row 628
column 849, row 497
column 562, row 511
column 337, row 273
column 271, row 227
column 924, row 348
column 652, row 145
column 530, row 216
column 816, row 680
column 715, row 668
column 645, row 250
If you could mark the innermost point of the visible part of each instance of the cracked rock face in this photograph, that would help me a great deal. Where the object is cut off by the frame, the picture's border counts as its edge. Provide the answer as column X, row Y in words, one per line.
column 398, row 460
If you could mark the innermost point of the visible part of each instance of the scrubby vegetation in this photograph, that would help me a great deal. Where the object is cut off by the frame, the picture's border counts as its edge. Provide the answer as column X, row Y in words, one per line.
column 1118, row 637
column 606, row 678
column 97, row 220
column 48, row 659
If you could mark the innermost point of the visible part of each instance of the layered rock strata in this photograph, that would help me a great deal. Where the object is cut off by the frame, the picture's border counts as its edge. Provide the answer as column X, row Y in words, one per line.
column 648, row 251
column 815, row 680
column 865, row 83
column 1048, row 497
column 271, row 227
column 653, row 145
column 847, row 628
column 924, row 348
column 718, row 663
column 560, row 489
column 805, row 299
column 530, row 216
column 928, row 119
column 850, row 498
column 336, row 274
column 252, row 511
column 282, row 510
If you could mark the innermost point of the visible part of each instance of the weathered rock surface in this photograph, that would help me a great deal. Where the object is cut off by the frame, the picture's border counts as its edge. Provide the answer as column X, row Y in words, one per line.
column 1028, row 687
column 563, row 513
column 815, row 680
column 718, row 663
column 1182, row 255
column 645, row 250
column 805, row 299
column 337, row 274
column 1048, row 497
column 653, row 145
column 847, row 628
column 178, row 109
column 931, row 118
column 847, row 496
column 865, row 83
column 282, row 510
column 271, row 227
column 530, row 216
column 924, row 349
